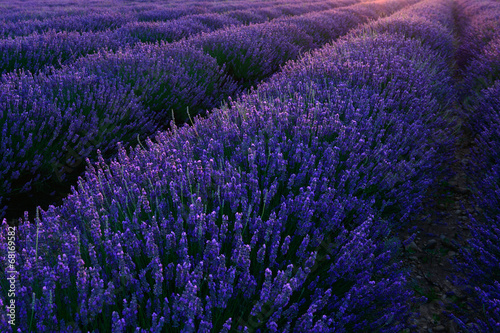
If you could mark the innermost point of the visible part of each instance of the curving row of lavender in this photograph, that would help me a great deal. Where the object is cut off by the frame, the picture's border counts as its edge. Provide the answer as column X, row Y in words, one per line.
column 481, row 94
column 477, row 23
column 430, row 22
column 36, row 52
column 275, row 213
column 38, row 15
column 81, row 23
column 478, row 52
column 114, row 18
column 160, row 82
column 23, row 10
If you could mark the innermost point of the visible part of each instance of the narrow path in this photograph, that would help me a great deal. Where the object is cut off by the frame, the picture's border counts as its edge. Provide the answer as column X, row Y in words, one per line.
column 441, row 231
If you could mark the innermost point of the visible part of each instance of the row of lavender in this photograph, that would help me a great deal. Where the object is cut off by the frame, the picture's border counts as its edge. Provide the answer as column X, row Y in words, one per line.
column 36, row 52
column 479, row 54
column 275, row 213
column 52, row 121
column 114, row 18
column 36, row 14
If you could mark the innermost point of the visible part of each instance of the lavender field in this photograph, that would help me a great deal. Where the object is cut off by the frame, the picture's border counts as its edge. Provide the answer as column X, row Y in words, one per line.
column 250, row 166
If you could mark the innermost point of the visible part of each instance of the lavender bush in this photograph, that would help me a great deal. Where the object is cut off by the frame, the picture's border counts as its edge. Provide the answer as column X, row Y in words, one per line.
column 91, row 22
column 428, row 21
column 44, row 117
column 181, row 83
column 36, row 52
column 169, row 13
column 215, row 21
column 168, row 79
column 254, row 52
column 483, row 71
column 328, row 25
column 478, row 25
column 164, row 31
column 325, row 26
column 259, row 15
column 166, row 13
column 367, row 105
column 19, row 10
column 249, row 16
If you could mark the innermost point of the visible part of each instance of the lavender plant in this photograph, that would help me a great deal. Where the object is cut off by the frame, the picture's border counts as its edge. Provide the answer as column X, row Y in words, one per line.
column 483, row 71
column 215, row 21
column 325, row 26
column 36, row 52
column 316, row 72
column 169, row 13
column 44, row 117
column 91, row 22
column 249, row 16
column 478, row 25
column 428, row 21
column 169, row 31
column 168, row 79
column 254, row 52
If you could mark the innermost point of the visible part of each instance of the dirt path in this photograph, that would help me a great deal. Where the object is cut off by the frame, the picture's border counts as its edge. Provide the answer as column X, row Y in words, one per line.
column 440, row 235
column 441, row 232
